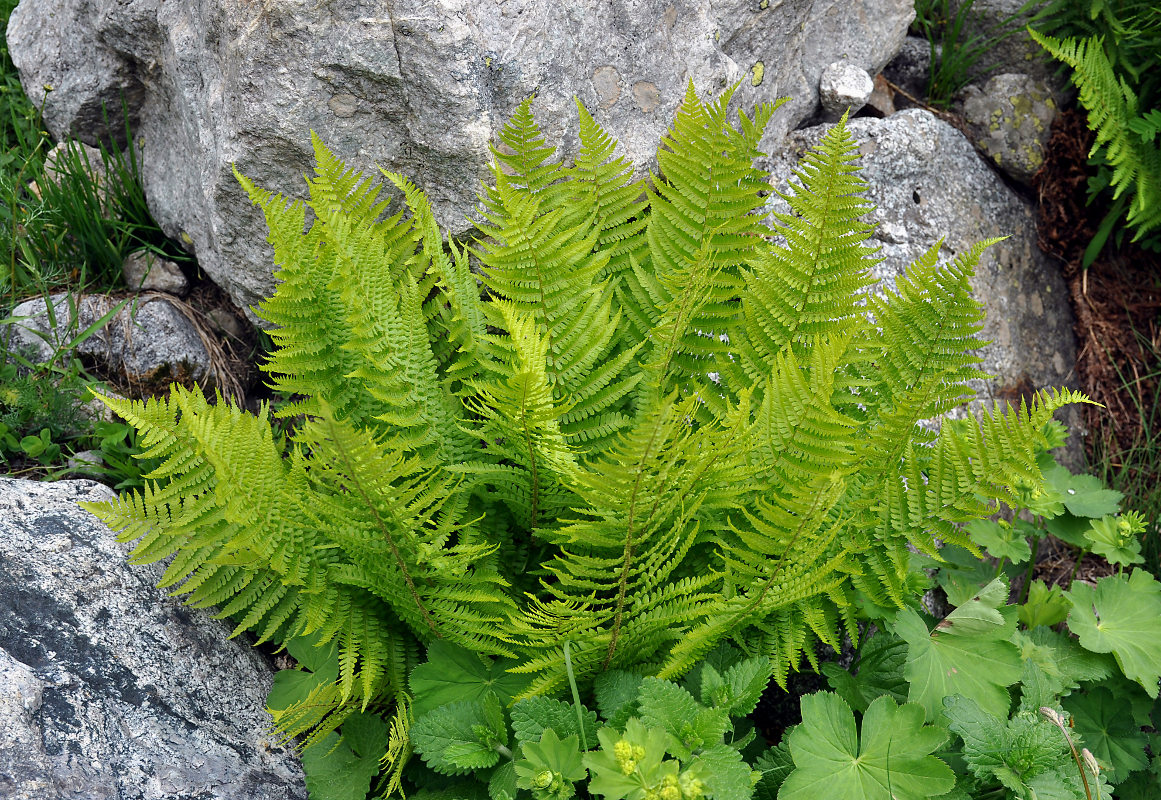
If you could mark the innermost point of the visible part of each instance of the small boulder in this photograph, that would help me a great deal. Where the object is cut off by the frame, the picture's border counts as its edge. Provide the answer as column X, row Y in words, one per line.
column 110, row 689
column 149, row 339
column 844, row 86
column 1010, row 119
column 928, row 183
column 148, row 272
column 910, row 71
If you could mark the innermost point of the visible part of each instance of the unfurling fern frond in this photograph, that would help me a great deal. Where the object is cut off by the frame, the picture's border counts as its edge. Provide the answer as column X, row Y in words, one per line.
column 639, row 430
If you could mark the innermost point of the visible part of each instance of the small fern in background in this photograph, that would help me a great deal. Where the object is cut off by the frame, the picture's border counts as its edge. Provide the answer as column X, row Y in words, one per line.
column 652, row 431
column 1125, row 150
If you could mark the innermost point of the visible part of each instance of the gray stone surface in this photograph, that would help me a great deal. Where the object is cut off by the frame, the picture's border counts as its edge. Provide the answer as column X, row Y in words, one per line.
column 910, row 70
column 148, row 340
column 1010, row 119
column 844, row 86
column 147, row 271
column 928, row 182
column 416, row 86
column 109, row 690
column 1016, row 53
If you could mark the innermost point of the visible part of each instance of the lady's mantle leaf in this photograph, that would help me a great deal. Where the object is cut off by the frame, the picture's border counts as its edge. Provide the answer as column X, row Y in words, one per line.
column 1053, row 664
column 1120, row 616
column 1115, row 538
column 1001, row 539
column 455, row 674
column 342, row 770
column 893, row 761
column 550, row 767
column 968, row 653
column 461, row 737
column 1110, row 733
column 880, row 672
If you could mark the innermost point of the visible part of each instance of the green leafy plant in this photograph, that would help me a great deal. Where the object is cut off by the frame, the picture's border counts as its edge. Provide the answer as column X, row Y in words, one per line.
column 954, row 53
column 1129, row 160
column 654, row 431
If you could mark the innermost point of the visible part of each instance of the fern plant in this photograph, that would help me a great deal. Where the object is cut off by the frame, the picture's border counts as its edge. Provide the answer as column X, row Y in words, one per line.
column 1124, row 139
column 641, row 429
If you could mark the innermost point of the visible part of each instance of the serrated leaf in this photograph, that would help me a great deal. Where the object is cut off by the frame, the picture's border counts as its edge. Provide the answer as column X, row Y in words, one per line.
column 502, row 782
column 614, row 691
column 880, row 672
column 533, row 716
column 665, row 705
column 458, row 738
column 1113, row 737
column 1053, row 664
column 1045, row 606
column 453, row 674
column 1026, row 752
column 1120, row 616
column 979, row 664
column 891, row 760
column 737, row 691
column 774, row 765
column 723, row 772
column 1001, row 539
column 335, row 772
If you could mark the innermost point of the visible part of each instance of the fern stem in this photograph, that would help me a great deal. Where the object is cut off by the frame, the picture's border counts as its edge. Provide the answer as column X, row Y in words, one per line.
column 358, row 486
column 627, row 556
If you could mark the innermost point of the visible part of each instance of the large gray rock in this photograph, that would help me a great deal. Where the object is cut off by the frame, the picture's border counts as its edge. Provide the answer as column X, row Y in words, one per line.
column 149, row 340
column 109, row 689
column 416, row 86
column 928, row 183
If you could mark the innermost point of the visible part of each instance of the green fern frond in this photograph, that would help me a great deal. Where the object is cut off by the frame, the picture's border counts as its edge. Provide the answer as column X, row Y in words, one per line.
column 1112, row 111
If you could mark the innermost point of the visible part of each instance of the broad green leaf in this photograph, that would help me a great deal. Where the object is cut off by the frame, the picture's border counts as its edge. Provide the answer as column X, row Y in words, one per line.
column 459, row 738
column 1111, row 734
column 963, row 575
column 453, row 674
column 502, row 782
column 1001, row 539
column 1054, row 663
column 941, row 664
column 342, row 770
column 616, row 691
column 666, row 705
column 880, row 672
column 631, row 764
column 774, row 765
column 722, row 772
column 1070, row 528
column 533, row 716
column 1120, row 616
column 738, row 691
column 1026, row 754
column 550, row 766
column 295, row 685
column 1045, row 606
column 891, row 760
column 1115, row 539
column 1086, row 496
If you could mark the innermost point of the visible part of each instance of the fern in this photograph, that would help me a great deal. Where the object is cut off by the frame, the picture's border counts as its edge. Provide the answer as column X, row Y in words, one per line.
column 648, row 431
column 1114, row 115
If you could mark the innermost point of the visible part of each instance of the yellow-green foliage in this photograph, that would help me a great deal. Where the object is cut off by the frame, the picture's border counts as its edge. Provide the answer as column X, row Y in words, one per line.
column 653, row 430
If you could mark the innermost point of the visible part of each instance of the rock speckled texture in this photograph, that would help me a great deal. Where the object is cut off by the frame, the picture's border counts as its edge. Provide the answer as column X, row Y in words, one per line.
column 844, row 86
column 148, row 340
column 928, row 182
column 109, row 690
column 417, row 86
column 1010, row 118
